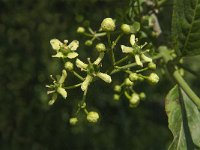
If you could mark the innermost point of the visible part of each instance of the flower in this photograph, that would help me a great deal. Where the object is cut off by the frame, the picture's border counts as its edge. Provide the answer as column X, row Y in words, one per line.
column 57, row 87
column 136, row 51
column 63, row 50
column 73, row 121
column 92, row 70
column 92, row 117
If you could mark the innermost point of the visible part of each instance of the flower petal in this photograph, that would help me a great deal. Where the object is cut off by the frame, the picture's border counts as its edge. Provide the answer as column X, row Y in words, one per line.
column 86, row 82
column 58, row 55
column 98, row 60
column 63, row 77
column 138, row 61
column 62, row 92
column 73, row 45
column 81, row 64
column 104, row 77
column 56, row 44
column 126, row 49
column 132, row 39
column 72, row 55
column 145, row 58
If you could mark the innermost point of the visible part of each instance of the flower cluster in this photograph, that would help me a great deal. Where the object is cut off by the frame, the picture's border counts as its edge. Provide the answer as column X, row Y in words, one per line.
column 132, row 63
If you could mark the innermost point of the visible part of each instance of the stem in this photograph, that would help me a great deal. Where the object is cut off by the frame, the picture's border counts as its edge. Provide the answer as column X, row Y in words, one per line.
column 100, row 34
column 73, row 86
column 141, row 70
column 121, row 60
column 138, row 4
column 82, row 102
column 111, row 50
column 133, row 64
column 183, row 84
column 77, row 75
column 189, row 70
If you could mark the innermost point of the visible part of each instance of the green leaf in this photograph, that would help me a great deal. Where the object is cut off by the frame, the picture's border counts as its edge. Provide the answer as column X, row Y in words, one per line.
column 186, row 27
column 173, row 110
column 135, row 27
column 183, row 119
column 193, row 118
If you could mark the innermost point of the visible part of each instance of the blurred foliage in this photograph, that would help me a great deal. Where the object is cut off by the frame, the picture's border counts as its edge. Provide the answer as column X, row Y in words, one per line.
column 27, row 122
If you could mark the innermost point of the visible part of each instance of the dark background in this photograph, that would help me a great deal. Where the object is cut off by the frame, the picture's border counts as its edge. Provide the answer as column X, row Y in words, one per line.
column 26, row 120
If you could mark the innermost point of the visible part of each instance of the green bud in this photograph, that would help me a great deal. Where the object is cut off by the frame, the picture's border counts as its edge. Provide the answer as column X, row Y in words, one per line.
column 88, row 42
column 116, row 97
column 108, row 24
column 69, row 66
column 100, row 47
column 152, row 65
column 153, row 78
column 142, row 95
column 125, row 28
column 80, row 30
column 128, row 82
column 133, row 76
column 92, row 117
column 117, row 88
column 73, row 121
column 135, row 100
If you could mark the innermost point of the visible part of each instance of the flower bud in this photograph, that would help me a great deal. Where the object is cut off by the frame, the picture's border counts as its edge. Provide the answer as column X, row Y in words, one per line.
column 142, row 95
column 108, row 25
column 133, row 76
column 125, row 28
column 152, row 65
column 73, row 121
column 128, row 82
column 62, row 92
column 117, row 88
column 92, row 117
column 116, row 97
column 153, row 78
column 80, row 30
column 135, row 100
column 100, row 47
column 69, row 66
column 88, row 42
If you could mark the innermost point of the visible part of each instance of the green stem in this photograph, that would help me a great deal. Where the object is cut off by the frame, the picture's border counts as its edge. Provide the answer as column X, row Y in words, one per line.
column 183, row 84
column 82, row 102
column 111, row 50
column 77, row 75
column 189, row 70
column 121, row 60
column 73, row 86
column 133, row 65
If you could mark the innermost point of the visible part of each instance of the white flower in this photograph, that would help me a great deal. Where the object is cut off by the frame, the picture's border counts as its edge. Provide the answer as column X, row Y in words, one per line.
column 62, row 92
column 135, row 50
column 92, row 70
column 64, row 50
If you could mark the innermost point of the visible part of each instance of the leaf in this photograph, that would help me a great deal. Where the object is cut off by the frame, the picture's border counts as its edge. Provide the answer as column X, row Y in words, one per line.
column 183, row 119
column 193, row 118
column 173, row 109
column 186, row 27
column 135, row 27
